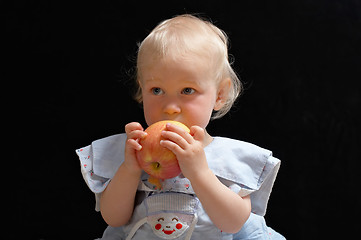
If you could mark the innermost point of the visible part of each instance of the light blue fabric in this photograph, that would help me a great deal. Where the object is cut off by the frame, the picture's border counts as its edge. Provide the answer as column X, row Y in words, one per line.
column 243, row 167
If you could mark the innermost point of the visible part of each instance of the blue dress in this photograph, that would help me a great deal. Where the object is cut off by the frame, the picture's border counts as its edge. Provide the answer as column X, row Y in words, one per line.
column 174, row 212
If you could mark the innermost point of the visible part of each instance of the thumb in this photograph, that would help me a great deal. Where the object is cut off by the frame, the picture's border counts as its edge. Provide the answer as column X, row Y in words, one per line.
column 197, row 133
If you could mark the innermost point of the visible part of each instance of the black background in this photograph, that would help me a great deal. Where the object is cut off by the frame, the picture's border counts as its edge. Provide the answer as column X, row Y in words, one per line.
column 66, row 80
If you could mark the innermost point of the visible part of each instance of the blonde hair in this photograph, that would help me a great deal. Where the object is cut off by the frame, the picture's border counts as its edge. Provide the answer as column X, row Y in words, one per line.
column 184, row 35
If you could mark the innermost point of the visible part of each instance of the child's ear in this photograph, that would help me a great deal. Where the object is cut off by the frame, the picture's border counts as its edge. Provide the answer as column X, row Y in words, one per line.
column 222, row 93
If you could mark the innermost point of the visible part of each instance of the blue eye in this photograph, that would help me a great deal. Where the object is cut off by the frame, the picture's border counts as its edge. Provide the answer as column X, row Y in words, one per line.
column 188, row 91
column 157, row 91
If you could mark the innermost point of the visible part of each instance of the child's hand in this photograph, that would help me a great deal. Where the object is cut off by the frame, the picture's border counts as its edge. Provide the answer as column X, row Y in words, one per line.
column 134, row 132
column 188, row 147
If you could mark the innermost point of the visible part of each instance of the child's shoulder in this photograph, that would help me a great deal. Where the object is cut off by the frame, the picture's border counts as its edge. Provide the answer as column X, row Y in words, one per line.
column 103, row 156
column 237, row 148
column 240, row 161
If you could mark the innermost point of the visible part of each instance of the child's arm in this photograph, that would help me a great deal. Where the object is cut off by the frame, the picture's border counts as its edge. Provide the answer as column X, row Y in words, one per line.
column 117, row 200
column 227, row 209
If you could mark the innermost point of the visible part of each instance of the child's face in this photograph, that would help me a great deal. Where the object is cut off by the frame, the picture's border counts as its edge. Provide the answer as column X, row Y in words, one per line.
column 181, row 90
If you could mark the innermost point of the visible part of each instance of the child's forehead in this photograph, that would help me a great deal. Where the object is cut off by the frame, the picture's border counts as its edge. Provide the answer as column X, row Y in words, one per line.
column 152, row 56
column 187, row 69
column 159, row 81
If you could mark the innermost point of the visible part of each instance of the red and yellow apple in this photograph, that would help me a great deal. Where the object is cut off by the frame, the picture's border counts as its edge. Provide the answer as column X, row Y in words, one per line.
column 159, row 162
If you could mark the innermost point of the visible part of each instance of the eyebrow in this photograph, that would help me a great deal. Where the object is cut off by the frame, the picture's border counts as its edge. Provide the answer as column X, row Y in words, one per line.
column 156, row 80
column 151, row 80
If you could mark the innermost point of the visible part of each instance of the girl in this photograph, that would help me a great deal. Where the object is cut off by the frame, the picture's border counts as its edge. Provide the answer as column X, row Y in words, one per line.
column 183, row 74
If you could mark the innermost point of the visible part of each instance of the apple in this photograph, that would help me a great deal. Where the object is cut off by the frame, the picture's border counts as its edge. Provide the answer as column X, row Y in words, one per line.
column 159, row 162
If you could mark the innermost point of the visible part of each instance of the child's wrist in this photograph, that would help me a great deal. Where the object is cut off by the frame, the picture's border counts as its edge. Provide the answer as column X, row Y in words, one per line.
column 134, row 171
column 199, row 177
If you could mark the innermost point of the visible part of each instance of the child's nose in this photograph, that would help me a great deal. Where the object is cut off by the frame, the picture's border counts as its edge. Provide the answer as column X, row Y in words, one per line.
column 172, row 108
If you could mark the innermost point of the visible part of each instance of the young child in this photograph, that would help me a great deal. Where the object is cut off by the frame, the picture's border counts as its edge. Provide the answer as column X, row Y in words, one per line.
column 183, row 74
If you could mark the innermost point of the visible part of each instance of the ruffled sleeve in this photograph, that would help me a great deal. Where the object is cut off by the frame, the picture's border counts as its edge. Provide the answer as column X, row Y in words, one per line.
column 100, row 161
column 244, row 168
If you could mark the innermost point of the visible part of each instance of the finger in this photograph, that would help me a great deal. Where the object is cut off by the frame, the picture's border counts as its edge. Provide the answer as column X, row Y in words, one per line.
column 134, row 144
column 134, row 130
column 176, row 138
column 197, row 133
column 137, row 134
column 182, row 132
column 133, row 126
column 175, row 148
